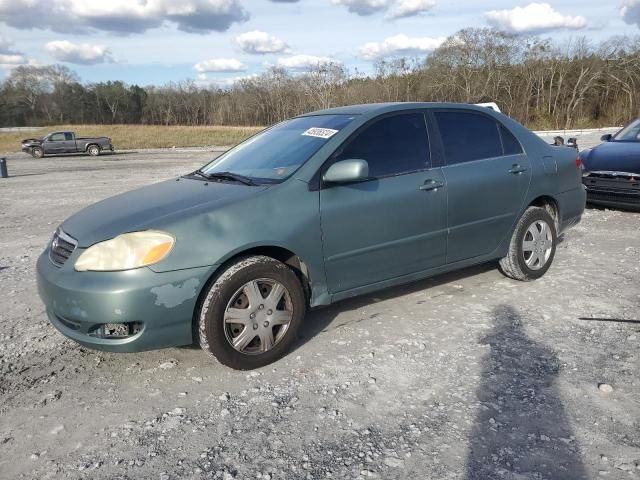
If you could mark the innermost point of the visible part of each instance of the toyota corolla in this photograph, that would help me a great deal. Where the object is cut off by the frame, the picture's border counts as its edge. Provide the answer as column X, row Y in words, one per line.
column 312, row 210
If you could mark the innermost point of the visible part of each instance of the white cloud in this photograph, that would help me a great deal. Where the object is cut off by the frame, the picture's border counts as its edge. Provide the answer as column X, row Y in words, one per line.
column 399, row 45
column 5, row 44
column 261, row 43
column 630, row 12
column 302, row 62
column 80, row 53
column 220, row 65
column 409, row 8
column 535, row 17
column 394, row 8
column 363, row 7
column 12, row 59
column 230, row 81
column 8, row 56
column 122, row 16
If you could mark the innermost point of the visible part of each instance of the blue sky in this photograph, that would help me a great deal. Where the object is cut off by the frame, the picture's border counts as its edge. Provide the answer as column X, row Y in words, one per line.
column 214, row 41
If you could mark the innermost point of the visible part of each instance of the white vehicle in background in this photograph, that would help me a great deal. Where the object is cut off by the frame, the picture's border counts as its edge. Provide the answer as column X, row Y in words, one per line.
column 492, row 105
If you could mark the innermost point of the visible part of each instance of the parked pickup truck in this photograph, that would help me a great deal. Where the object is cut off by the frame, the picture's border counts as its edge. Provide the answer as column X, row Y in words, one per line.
column 65, row 142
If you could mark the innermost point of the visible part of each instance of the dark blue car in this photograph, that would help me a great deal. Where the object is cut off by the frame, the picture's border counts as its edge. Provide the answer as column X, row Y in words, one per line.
column 612, row 169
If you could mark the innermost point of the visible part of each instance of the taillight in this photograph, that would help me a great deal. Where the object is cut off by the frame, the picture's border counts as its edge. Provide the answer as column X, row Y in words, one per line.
column 579, row 163
column 109, row 138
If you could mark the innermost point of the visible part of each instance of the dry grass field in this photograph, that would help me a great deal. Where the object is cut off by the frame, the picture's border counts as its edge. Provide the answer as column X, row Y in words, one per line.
column 140, row 136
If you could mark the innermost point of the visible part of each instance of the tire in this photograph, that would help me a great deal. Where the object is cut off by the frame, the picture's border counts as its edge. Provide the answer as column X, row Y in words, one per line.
column 521, row 263
column 93, row 150
column 37, row 152
column 230, row 298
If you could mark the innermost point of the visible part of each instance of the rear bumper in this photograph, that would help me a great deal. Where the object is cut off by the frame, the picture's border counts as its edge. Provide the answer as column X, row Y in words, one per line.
column 571, row 204
column 79, row 304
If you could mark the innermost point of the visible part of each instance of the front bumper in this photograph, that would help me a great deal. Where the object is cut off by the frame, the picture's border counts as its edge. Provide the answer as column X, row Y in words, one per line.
column 79, row 304
column 613, row 190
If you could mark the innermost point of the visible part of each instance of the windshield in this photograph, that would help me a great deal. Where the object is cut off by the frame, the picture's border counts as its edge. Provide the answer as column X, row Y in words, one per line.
column 274, row 154
column 630, row 133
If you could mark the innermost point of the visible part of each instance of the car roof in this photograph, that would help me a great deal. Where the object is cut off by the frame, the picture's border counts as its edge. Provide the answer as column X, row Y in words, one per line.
column 373, row 109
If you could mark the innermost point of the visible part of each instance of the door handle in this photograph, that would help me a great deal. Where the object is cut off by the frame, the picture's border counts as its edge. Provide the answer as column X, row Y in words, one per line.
column 431, row 184
column 517, row 169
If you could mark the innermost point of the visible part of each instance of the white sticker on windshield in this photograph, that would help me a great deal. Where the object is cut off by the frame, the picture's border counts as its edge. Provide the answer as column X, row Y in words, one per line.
column 320, row 132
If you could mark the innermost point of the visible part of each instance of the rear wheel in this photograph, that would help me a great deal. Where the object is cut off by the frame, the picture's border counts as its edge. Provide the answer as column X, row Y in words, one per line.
column 93, row 150
column 532, row 246
column 37, row 152
column 252, row 312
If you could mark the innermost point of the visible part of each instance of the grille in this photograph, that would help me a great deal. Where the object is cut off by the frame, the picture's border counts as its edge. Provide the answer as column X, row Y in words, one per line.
column 629, row 176
column 613, row 197
column 62, row 246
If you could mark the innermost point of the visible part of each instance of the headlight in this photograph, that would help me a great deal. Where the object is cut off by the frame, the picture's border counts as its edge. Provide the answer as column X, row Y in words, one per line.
column 126, row 251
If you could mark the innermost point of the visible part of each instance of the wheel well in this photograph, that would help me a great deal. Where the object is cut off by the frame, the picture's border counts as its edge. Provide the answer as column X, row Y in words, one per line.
column 91, row 145
column 550, row 205
column 281, row 254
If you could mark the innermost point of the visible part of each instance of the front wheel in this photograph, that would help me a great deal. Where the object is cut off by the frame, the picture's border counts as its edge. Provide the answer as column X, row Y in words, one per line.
column 532, row 247
column 37, row 152
column 252, row 312
column 93, row 150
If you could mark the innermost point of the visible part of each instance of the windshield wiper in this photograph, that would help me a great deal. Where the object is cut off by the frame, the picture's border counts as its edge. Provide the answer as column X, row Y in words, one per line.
column 236, row 177
column 200, row 173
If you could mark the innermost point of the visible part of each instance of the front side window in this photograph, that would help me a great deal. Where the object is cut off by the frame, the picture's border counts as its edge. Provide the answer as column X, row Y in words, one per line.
column 56, row 137
column 274, row 154
column 391, row 146
column 468, row 136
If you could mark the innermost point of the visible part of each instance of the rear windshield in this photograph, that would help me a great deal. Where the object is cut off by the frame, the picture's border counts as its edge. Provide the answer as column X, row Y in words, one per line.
column 274, row 154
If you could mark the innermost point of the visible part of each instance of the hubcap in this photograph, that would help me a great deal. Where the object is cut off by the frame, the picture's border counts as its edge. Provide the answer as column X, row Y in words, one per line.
column 537, row 245
column 258, row 316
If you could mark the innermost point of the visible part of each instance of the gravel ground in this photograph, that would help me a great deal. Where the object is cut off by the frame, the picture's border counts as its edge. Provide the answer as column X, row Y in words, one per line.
column 467, row 375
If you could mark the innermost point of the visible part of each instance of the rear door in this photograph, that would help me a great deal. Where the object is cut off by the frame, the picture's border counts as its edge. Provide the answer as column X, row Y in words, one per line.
column 393, row 224
column 487, row 175
column 69, row 142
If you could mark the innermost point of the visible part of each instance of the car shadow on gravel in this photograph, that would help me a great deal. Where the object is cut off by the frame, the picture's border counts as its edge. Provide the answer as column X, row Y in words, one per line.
column 320, row 320
column 522, row 430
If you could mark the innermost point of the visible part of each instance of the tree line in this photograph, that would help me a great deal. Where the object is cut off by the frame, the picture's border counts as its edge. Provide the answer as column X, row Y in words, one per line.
column 541, row 83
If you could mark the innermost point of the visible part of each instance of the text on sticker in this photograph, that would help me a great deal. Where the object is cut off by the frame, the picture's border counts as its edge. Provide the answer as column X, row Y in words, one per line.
column 320, row 132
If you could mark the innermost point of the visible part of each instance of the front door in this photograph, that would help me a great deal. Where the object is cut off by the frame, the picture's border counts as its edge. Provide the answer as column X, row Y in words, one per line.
column 55, row 143
column 487, row 175
column 393, row 224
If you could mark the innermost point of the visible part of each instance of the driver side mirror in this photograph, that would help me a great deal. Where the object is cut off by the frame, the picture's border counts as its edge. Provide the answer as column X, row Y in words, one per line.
column 345, row 171
column 606, row 138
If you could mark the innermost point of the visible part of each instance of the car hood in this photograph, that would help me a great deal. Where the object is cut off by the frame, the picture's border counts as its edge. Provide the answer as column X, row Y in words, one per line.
column 152, row 206
column 615, row 157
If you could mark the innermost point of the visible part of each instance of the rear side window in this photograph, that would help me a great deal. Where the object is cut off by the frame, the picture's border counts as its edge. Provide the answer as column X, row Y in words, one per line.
column 509, row 142
column 68, row 136
column 468, row 136
column 392, row 145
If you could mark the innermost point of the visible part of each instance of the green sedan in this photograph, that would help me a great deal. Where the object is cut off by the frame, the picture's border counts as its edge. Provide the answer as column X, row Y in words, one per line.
column 312, row 210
